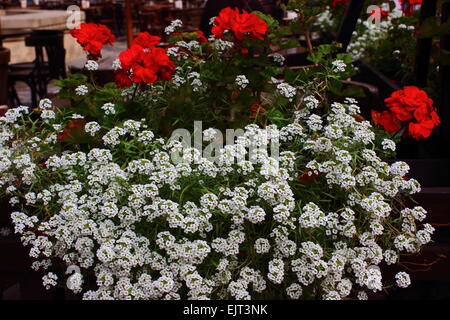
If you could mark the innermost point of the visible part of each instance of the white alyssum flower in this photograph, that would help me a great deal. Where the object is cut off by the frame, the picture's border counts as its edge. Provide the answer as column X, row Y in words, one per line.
column 116, row 65
column 402, row 279
column 278, row 58
column 92, row 128
column 311, row 102
column 287, row 91
column 91, row 65
column 213, row 213
column 174, row 25
column 262, row 245
column 339, row 66
column 222, row 45
column 81, row 90
column 47, row 115
column 49, row 280
column 77, row 116
column 173, row 51
column 388, row 144
column 109, row 108
column 242, row 81
column 45, row 104
column 210, row 134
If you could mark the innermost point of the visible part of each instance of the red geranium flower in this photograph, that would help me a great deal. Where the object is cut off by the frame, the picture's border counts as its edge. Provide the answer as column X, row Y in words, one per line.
column 412, row 107
column 143, row 62
column 241, row 24
column 407, row 5
column 421, row 130
column 122, row 79
column 146, row 40
column 130, row 56
column 386, row 120
column 92, row 37
column 410, row 103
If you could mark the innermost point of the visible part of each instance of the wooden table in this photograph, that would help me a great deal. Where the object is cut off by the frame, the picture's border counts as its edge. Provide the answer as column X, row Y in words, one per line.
column 157, row 6
column 12, row 33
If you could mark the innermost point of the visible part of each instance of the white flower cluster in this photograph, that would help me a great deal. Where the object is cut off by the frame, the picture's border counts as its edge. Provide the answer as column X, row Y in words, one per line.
column 45, row 104
column 325, row 19
column 278, row 58
column 242, row 81
column 403, row 280
column 109, row 108
column 339, row 66
column 287, row 91
column 173, row 51
column 210, row 134
column 49, row 280
column 222, row 45
column 187, row 76
column 368, row 33
column 405, row 27
column 174, row 26
column 47, row 115
column 191, row 45
column 116, row 65
column 195, row 81
column 92, row 128
column 5, row 231
column 77, row 116
column 148, row 227
column 388, row 144
column 91, row 65
column 81, row 90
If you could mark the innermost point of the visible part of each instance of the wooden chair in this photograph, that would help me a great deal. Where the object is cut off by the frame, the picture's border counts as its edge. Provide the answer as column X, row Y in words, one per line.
column 111, row 15
column 190, row 16
column 150, row 20
column 38, row 73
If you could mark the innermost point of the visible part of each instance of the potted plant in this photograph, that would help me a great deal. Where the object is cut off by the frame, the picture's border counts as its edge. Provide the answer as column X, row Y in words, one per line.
column 298, row 204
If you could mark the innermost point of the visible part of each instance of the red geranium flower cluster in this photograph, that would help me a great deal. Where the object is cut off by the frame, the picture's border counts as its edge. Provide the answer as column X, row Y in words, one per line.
column 411, row 107
column 146, row 40
column 334, row 3
column 92, row 37
column 143, row 62
column 241, row 24
column 407, row 5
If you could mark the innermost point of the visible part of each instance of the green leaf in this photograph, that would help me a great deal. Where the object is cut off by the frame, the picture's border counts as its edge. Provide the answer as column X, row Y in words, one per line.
column 431, row 27
column 271, row 22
